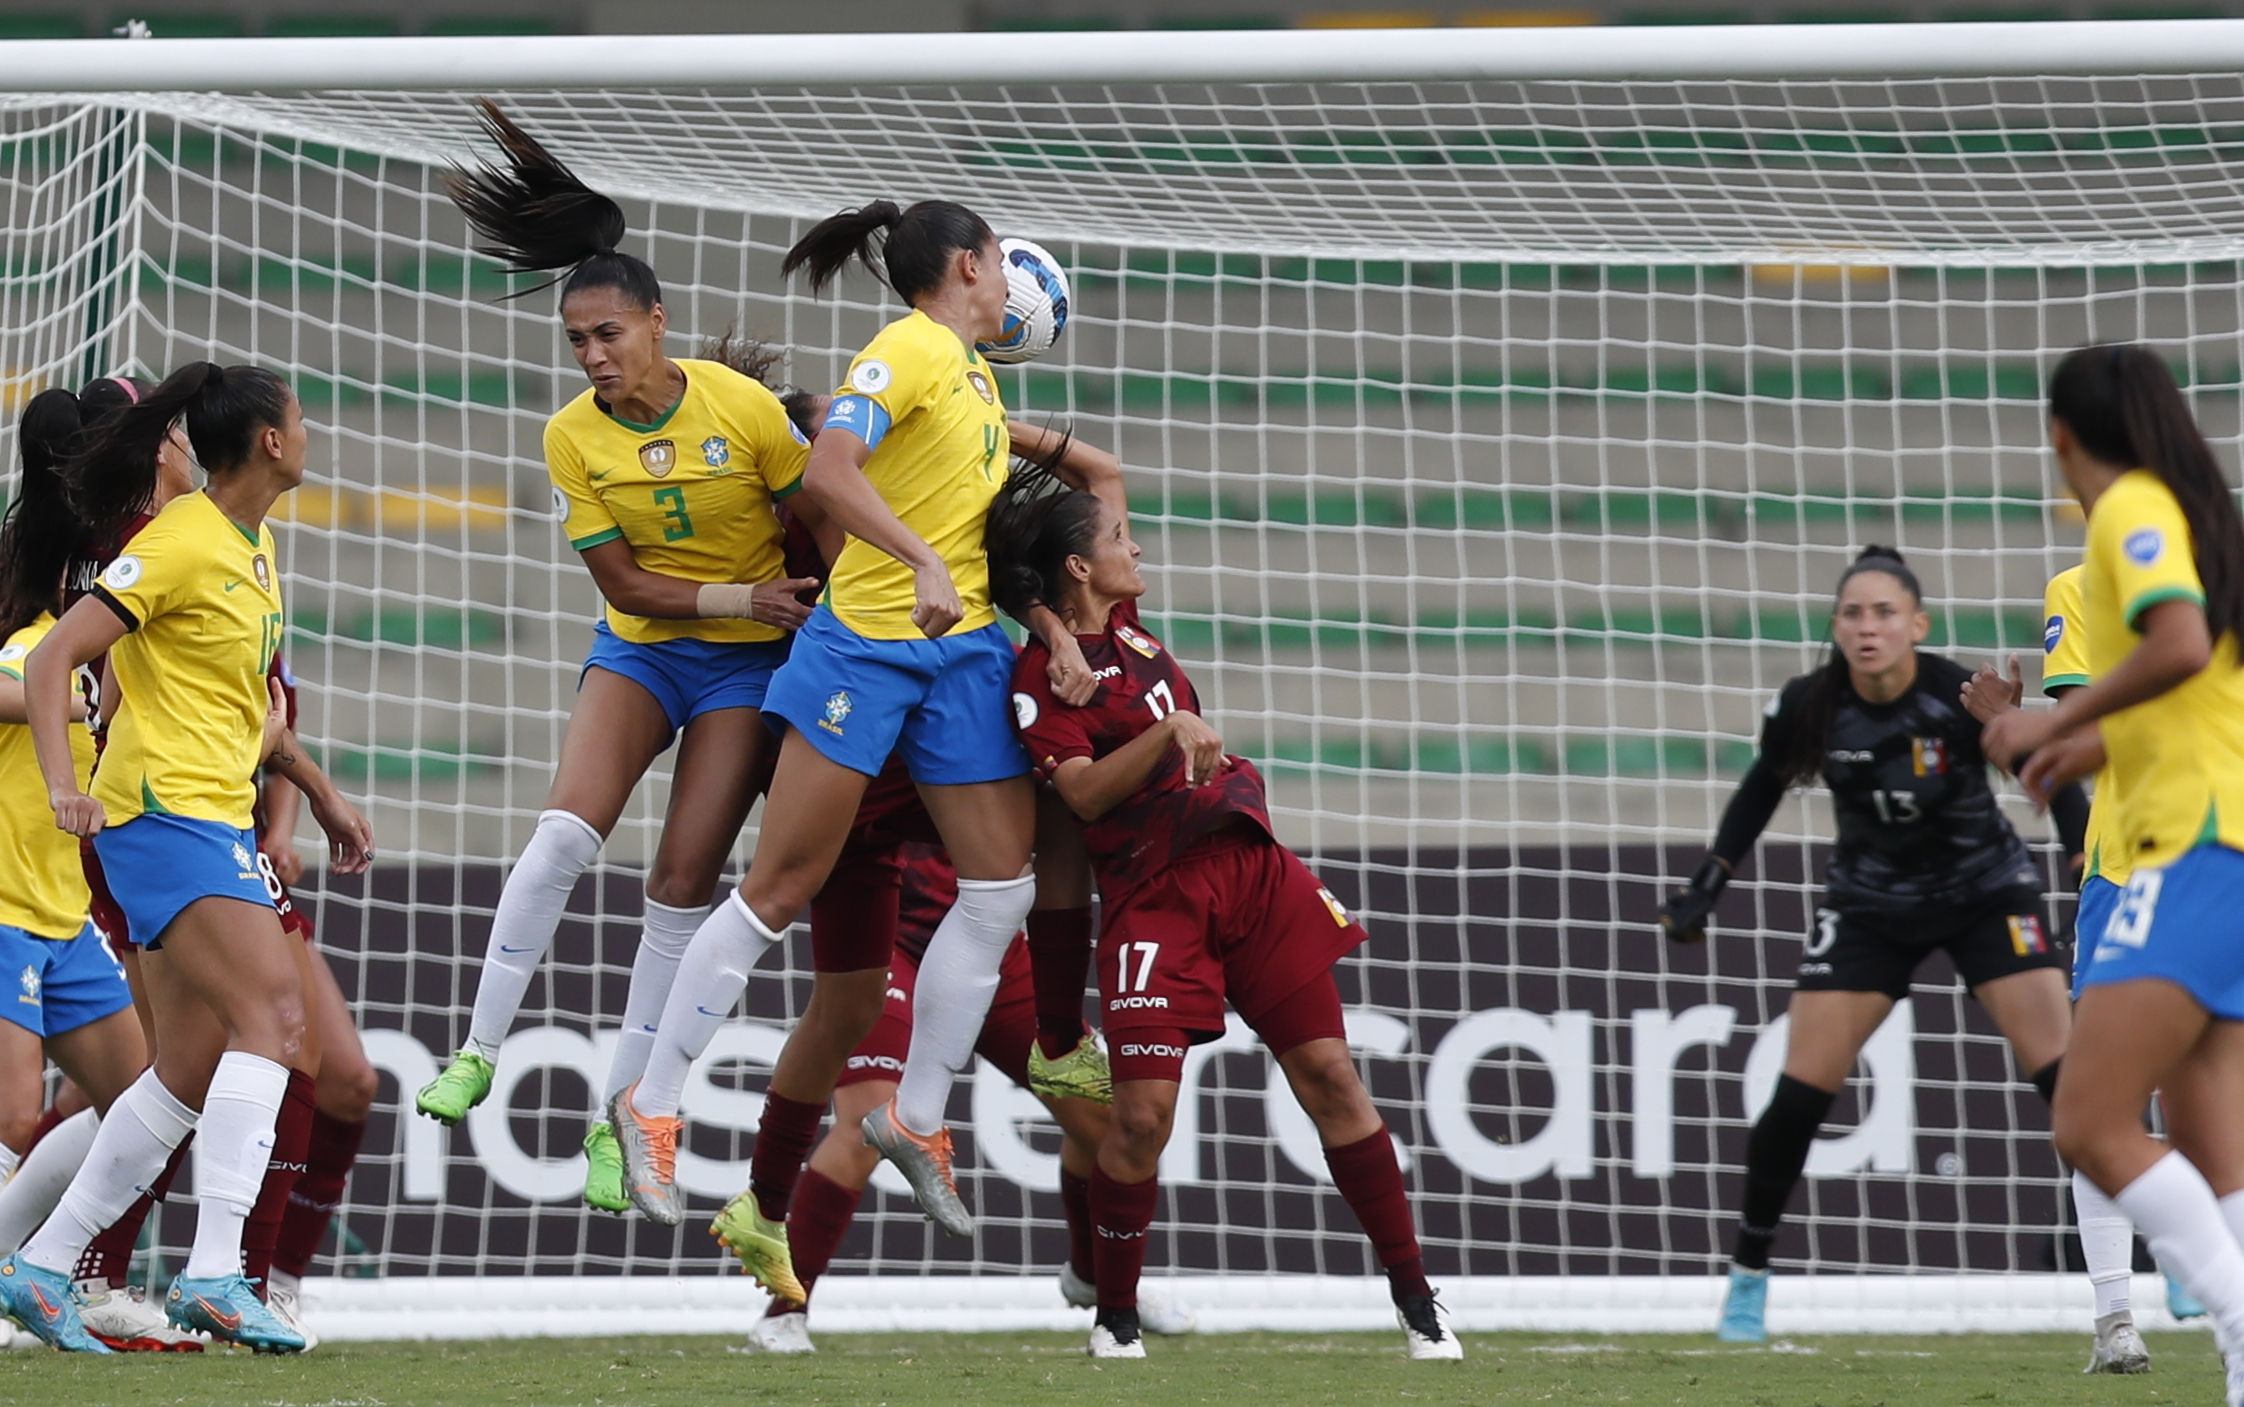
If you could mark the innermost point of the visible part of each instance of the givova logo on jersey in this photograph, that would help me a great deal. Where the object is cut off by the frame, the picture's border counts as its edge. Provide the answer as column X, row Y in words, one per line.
column 1929, row 756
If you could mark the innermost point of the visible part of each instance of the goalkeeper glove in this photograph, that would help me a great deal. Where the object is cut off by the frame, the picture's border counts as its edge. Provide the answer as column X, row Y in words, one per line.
column 1683, row 917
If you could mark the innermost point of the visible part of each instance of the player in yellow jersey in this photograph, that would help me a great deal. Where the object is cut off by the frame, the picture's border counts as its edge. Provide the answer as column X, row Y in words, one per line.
column 189, row 618
column 62, row 993
column 904, row 655
column 664, row 476
column 2162, row 1002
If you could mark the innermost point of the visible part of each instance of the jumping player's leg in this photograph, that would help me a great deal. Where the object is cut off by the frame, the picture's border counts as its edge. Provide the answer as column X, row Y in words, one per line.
column 806, row 822
column 1059, row 943
column 989, row 829
column 615, row 733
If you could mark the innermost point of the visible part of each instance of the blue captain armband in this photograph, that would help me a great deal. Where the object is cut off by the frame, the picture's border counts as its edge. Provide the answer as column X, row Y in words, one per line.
column 860, row 416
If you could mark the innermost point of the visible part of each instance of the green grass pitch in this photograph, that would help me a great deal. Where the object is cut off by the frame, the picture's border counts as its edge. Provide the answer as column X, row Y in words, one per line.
column 1237, row 1370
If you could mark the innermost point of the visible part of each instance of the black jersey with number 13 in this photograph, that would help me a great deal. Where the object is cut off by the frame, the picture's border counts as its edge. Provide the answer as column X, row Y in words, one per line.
column 1917, row 818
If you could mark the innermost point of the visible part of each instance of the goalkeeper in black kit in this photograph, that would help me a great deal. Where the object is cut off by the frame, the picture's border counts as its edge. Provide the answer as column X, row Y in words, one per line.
column 1923, row 861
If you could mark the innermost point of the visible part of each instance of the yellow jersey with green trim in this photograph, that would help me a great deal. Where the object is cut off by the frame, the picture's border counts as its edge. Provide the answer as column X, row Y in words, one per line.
column 2178, row 760
column 200, row 598
column 928, row 405
column 42, row 880
column 2065, row 665
column 691, row 493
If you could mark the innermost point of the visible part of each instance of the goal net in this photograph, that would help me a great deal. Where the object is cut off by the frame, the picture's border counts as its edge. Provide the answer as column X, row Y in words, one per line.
column 1494, row 444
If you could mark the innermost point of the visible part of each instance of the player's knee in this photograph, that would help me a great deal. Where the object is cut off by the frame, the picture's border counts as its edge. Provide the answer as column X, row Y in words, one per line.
column 1141, row 1123
column 346, row 1088
column 16, row 1125
column 1324, row 1080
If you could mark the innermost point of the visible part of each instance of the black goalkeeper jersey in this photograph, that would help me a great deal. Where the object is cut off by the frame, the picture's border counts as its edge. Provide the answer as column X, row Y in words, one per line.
column 1918, row 822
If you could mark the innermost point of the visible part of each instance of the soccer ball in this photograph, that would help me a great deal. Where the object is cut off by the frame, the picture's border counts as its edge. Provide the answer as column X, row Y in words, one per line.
column 1035, row 304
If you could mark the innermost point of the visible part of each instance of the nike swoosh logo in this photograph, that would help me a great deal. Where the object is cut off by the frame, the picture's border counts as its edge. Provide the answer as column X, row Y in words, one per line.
column 505, row 949
column 604, row 473
column 651, row 1030
column 235, row 582
column 47, row 1311
column 226, row 1319
column 705, row 1011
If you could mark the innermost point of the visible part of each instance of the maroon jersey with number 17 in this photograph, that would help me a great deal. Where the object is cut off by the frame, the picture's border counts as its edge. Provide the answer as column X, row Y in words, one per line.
column 1140, row 683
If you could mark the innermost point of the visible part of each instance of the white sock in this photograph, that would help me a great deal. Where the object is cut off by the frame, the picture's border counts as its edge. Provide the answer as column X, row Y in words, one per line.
column 711, row 977
column 42, row 1175
column 9, row 1158
column 530, row 906
column 957, row 980
column 2174, row 1208
column 129, row 1151
column 662, row 946
column 2107, row 1243
column 232, row 1151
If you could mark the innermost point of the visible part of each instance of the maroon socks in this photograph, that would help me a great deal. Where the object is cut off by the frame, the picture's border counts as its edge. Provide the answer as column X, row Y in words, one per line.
column 1059, row 944
column 783, row 1139
column 327, row 1168
column 1371, row 1181
column 823, row 1210
column 1120, row 1214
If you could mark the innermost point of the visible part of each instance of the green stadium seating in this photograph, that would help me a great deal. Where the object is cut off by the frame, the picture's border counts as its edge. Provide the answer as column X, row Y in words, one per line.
column 330, row 26
column 472, row 25
column 36, row 26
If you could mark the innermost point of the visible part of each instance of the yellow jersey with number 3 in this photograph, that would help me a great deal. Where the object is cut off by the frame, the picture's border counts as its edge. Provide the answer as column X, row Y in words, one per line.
column 43, row 891
column 2178, row 759
column 2065, row 665
column 691, row 493
column 928, row 405
column 200, row 598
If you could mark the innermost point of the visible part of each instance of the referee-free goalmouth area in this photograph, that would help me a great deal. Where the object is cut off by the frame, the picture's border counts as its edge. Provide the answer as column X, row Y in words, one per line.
column 1544, row 380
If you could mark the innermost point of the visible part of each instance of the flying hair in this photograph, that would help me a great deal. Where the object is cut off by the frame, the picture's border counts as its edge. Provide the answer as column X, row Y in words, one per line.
column 908, row 249
column 1804, row 763
column 760, row 362
column 536, row 216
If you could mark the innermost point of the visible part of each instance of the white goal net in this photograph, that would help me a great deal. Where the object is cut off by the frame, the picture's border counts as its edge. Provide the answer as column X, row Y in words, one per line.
column 1494, row 445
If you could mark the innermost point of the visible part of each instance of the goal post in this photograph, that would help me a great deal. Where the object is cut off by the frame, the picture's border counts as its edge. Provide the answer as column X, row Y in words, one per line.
column 1499, row 409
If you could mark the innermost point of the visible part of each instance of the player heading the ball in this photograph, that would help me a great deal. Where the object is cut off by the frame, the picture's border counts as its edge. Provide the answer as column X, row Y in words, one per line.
column 905, row 655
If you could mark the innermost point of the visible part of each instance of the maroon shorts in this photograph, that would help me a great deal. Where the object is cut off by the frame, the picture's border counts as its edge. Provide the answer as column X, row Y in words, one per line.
column 1007, row 1032
column 1238, row 917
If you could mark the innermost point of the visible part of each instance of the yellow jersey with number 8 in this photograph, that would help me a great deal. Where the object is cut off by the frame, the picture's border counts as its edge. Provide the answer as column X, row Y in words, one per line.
column 928, row 405
column 691, row 493
column 44, row 887
column 2065, row 665
column 2178, row 759
column 200, row 597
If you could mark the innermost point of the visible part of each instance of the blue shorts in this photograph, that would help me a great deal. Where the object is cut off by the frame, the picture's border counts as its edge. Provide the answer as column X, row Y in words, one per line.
column 56, row 985
column 2098, row 897
column 2182, row 923
column 158, row 864
column 946, row 705
column 690, row 677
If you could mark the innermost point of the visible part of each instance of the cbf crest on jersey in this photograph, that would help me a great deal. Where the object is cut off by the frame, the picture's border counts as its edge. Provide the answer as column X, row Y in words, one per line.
column 658, row 457
column 715, row 452
column 1930, row 756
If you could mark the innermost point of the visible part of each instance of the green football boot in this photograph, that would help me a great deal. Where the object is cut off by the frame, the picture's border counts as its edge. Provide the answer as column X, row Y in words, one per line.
column 1082, row 1073
column 603, row 1170
column 761, row 1245
column 463, row 1085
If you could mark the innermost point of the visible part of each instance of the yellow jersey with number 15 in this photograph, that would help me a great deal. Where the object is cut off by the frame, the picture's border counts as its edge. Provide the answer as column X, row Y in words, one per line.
column 2065, row 665
column 42, row 880
column 200, row 597
column 691, row 493
column 2178, row 759
column 928, row 405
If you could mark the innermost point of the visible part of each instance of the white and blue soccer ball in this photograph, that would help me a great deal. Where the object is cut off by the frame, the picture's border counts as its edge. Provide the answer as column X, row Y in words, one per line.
column 1036, row 298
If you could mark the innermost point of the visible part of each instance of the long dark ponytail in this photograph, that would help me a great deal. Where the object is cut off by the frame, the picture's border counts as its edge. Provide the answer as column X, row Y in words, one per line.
column 536, row 216
column 1811, row 737
column 112, row 477
column 1036, row 522
column 908, row 249
column 42, row 530
column 2121, row 403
